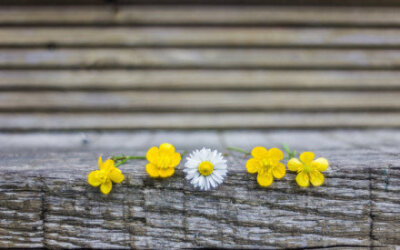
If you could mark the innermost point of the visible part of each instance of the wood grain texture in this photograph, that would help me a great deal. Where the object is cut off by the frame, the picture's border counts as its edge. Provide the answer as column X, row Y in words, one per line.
column 198, row 79
column 199, row 100
column 195, row 36
column 257, row 120
column 356, row 207
column 199, row 58
column 361, row 3
column 225, row 15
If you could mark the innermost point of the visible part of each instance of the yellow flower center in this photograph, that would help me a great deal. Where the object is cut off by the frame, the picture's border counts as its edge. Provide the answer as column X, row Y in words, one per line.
column 164, row 161
column 267, row 164
column 206, row 168
column 307, row 168
column 102, row 176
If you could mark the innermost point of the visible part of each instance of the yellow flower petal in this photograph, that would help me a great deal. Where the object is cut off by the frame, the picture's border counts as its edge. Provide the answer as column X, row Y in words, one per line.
column 152, row 170
column 279, row 171
column 108, row 164
column 116, row 176
column 302, row 179
column 320, row 164
column 252, row 166
column 152, row 155
column 294, row 165
column 100, row 163
column 93, row 178
column 166, row 172
column 316, row 178
column 275, row 154
column 175, row 159
column 259, row 152
column 265, row 180
column 106, row 187
column 167, row 148
column 307, row 157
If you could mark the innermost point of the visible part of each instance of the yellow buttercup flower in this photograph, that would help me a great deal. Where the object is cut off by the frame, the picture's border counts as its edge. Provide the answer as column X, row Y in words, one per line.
column 267, row 164
column 104, row 177
column 162, row 161
column 308, row 169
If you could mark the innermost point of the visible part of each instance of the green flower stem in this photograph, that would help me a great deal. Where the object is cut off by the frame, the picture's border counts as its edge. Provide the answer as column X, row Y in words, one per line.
column 240, row 150
column 123, row 159
column 291, row 154
column 120, row 163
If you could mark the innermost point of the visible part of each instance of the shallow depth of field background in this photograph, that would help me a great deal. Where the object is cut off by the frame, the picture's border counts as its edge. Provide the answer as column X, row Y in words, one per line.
column 173, row 65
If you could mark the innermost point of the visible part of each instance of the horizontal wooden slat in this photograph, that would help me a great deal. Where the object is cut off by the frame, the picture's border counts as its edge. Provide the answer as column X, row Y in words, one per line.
column 226, row 15
column 198, row 79
column 201, row 58
column 195, row 36
column 202, row 2
column 113, row 121
column 141, row 140
column 199, row 100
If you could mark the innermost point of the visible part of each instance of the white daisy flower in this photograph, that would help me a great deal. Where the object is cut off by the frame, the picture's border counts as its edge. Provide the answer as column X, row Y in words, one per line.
column 205, row 169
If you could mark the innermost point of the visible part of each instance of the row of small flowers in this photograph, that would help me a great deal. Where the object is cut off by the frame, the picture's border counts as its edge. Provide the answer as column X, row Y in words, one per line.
column 206, row 169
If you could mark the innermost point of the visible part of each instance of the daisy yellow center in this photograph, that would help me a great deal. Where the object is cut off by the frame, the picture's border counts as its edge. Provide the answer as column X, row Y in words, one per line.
column 206, row 168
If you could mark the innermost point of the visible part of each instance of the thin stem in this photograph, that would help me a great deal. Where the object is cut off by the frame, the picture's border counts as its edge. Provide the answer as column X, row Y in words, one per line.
column 240, row 150
column 291, row 154
column 121, row 162
column 118, row 158
column 286, row 148
column 136, row 158
column 123, row 159
column 132, row 157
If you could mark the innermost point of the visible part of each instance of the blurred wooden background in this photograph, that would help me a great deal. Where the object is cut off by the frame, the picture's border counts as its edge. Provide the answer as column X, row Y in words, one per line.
column 134, row 66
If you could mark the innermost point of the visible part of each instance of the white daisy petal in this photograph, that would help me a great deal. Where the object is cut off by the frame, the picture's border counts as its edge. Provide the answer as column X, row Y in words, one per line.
column 218, row 170
column 190, row 175
column 212, row 182
column 202, row 182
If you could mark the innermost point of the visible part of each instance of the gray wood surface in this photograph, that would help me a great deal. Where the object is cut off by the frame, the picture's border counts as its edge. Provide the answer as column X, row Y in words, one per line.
column 153, row 66
column 200, row 36
column 199, row 100
column 243, row 15
column 200, row 58
column 45, row 200
column 40, row 121
column 196, row 79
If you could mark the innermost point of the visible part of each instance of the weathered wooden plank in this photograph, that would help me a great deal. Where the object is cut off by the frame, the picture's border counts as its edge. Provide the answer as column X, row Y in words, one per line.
column 199, row 100
column 195, row 36
column 198, row 79
column 353, row 208
column 182, row 15
column 271, row 15
column 112, row 121
column 24, row 229
column 199, row 58
column 199, row 2
column 380, row 140
column 115, row 140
